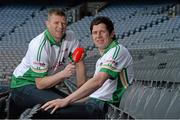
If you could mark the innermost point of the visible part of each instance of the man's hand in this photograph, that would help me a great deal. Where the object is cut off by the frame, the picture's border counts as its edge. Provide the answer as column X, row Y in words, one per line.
column 69, row 70
column 55, row 104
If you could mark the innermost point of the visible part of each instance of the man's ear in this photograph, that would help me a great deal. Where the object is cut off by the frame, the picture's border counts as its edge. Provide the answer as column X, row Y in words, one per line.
column 47, row 22
column 112, row 34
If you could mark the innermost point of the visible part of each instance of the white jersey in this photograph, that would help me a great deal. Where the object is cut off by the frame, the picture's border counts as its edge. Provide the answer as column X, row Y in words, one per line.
column 44, row 57
column 117, row 62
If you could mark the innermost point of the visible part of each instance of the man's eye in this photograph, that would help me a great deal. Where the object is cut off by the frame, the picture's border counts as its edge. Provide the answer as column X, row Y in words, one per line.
column 94, row 33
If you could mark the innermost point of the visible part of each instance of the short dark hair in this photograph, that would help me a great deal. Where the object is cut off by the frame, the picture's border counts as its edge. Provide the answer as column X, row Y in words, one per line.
column 105, row 20
column 56, row 11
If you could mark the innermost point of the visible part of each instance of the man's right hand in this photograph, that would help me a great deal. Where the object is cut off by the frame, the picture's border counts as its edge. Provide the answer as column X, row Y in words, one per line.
column 50, row 81
column 69, row 70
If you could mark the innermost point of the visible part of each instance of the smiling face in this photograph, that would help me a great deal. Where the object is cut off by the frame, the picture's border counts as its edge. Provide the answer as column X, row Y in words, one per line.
column 56, row 25
column 101, row 36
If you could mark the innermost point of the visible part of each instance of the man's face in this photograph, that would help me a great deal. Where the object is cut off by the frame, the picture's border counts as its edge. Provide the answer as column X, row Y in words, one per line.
column 57, row 26
column 101, row 36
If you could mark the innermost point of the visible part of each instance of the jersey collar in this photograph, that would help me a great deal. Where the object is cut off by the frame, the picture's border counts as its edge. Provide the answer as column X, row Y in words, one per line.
column 51, row 38
column 111, row 45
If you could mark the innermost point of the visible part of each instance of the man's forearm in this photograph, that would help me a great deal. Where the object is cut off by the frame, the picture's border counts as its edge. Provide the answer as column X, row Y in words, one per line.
column 87, row 88
column 84, row 91
column 80, row 73
column 49, row 81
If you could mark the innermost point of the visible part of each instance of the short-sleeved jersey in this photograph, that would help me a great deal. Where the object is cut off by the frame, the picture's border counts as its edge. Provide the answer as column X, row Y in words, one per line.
column 44, row 57
column 117, row 62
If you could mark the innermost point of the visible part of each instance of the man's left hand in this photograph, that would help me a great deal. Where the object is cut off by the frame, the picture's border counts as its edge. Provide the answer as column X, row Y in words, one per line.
column 55, row 104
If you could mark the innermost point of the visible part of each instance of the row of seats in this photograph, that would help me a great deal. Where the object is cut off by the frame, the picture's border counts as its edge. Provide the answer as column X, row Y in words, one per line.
column 151, row 102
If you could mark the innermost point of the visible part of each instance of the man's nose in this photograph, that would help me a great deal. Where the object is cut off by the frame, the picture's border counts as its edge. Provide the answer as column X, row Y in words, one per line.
column 99, row 34
column 60, row 25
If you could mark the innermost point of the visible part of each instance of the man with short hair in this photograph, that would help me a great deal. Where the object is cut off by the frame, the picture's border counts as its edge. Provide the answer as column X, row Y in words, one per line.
column 42, row 68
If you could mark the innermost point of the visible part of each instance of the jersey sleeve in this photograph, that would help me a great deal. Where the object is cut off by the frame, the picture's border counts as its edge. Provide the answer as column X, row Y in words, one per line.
column 38, row 58
column 114, row 61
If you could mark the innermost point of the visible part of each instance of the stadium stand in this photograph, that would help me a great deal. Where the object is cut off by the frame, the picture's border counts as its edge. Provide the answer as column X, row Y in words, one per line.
column 149, row 31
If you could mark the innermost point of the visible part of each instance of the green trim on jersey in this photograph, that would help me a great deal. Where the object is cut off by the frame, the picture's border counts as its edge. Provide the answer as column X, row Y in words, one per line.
column 26, row 79
column 113, row 44
column 120, row 89
column 117, row 96
column 109, row 69
column 112, row 73
column 51, row 38
column 116, row 52
column 40, row 51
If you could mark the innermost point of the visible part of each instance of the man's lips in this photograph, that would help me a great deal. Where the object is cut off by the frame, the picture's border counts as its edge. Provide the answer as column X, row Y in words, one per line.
column 100, row 41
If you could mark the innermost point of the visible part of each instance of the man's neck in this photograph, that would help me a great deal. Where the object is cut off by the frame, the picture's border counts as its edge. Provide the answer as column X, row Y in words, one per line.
column 101, row 51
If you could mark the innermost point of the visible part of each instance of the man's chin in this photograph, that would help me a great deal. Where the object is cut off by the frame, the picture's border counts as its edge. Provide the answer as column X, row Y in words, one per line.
column 59, row 37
